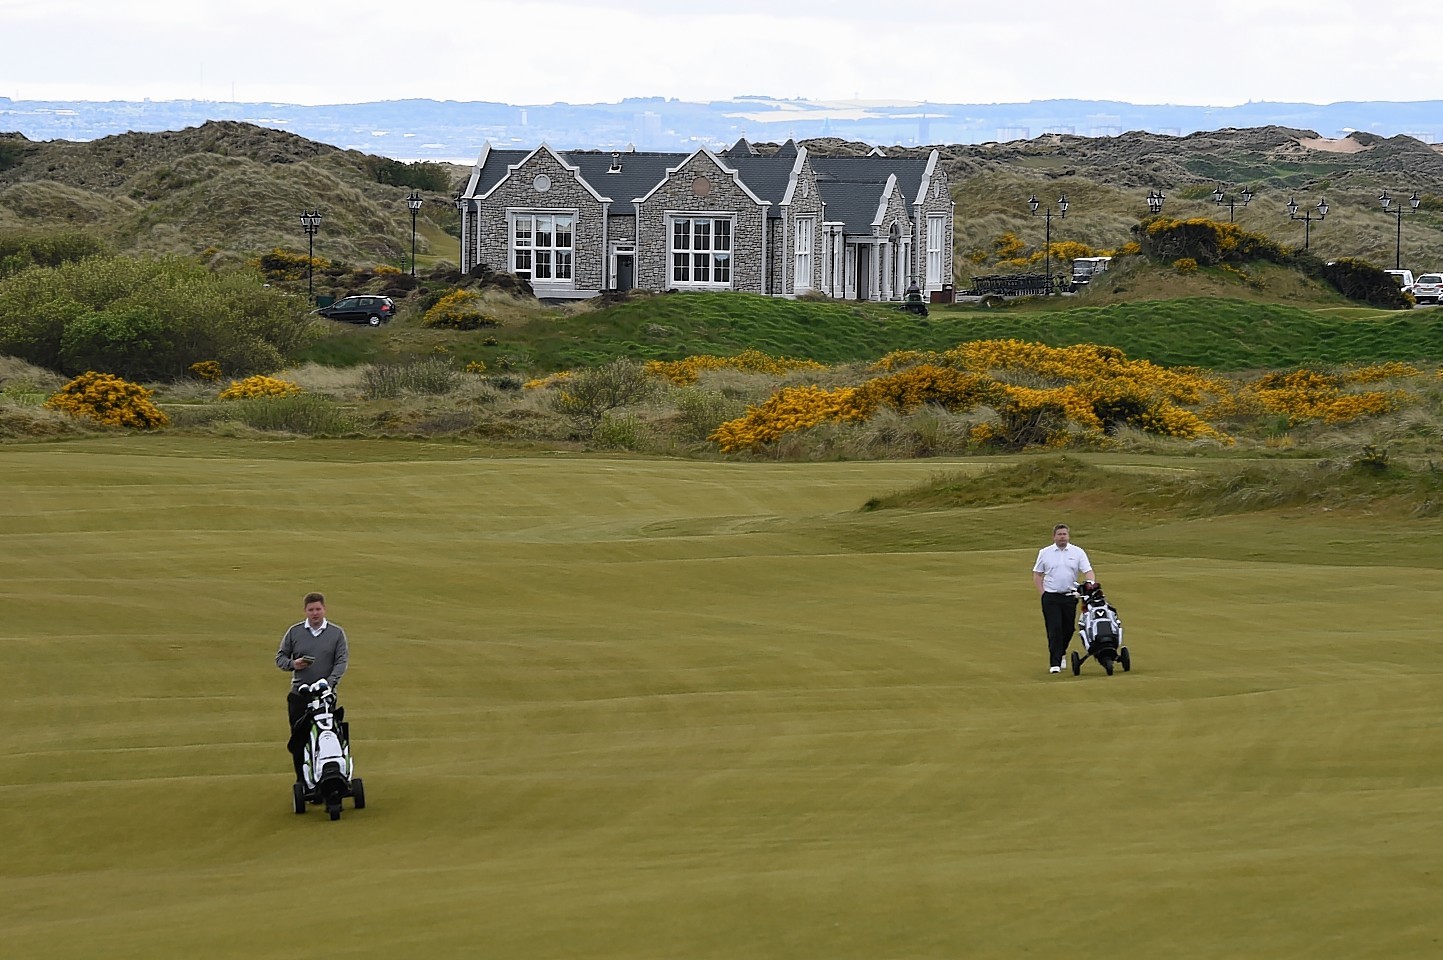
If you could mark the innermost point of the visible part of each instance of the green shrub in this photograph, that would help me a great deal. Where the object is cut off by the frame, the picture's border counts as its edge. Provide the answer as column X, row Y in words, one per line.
column 423, row 175
column 623, row 431
column 306, row 414
column 146, row 319
column 21, row 250
column 130, row 339
column 591, row 393
column 1362, row 281
column 700, row 412
column 434, row 376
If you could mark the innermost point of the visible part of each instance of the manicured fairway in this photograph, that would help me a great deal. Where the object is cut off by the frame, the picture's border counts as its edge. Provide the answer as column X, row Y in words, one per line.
column 633, row 709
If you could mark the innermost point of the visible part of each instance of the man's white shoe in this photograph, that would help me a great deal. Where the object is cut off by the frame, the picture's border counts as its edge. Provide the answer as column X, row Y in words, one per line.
column 1054, row 669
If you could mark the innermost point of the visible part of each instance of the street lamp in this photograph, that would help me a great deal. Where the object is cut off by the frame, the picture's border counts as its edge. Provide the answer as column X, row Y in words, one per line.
column 460, row 202
column 1413, row 201
column 1154, row 201
column 1062, row 205
column 310, row 222
column 1220, row 198
column 1307, row 217
column 414, row 201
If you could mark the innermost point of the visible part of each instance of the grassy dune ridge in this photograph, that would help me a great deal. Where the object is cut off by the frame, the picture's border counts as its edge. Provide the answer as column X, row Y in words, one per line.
column 1216, row 331
column 641, row 708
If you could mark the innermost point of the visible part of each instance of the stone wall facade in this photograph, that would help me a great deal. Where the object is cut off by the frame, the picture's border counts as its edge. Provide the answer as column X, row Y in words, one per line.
column 806, row 202
column 699, row 187
column 938, row 202
column 521, row 192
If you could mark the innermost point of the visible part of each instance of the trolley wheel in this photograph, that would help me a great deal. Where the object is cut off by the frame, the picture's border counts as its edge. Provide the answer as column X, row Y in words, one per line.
column 1125, row 659
column 358, row 793
column 334, row 809
column 1106, row 665
column 1076, row 663
column 298, row 797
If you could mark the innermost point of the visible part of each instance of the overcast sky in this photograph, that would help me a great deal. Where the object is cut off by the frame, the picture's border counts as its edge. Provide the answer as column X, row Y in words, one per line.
column 539, row 51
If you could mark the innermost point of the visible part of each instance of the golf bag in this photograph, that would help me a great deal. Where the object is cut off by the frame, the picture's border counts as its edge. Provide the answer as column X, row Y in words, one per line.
column 326, row 767
column 1100, row 628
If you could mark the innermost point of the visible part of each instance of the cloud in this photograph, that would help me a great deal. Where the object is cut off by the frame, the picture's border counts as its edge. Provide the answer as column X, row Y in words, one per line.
column 520, row 52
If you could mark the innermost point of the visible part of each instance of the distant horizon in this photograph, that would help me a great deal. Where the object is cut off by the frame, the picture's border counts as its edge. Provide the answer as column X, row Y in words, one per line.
column 738, row 98
column 455, row 131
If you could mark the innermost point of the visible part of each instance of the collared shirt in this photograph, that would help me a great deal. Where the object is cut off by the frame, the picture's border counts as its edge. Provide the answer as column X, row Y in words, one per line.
column 1061, row 567
column 316, row 631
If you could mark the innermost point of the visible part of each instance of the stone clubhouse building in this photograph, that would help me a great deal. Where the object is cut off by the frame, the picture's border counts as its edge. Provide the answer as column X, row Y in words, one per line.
column 580, row 223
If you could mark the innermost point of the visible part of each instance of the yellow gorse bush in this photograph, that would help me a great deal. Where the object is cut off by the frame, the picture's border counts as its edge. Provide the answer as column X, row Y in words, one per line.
column 1378, row 372
column 790, row 408
column 205, row 370
column 258, row 386
column 1303, row 395
column 109, row 401
column 547, row 382
column 459, row 310
column 687, row 371
column 1080, row 392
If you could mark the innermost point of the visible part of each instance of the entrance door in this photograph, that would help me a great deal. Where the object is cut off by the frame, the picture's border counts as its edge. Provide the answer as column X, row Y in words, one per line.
column 864, row 266
column 625, row 271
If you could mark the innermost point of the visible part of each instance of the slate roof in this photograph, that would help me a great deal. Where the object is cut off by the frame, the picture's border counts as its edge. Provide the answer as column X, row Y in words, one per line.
column 639, row 173
column 852, row 186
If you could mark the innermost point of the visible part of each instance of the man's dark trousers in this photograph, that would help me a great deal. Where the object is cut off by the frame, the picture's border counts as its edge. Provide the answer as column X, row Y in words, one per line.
column 296, row 707
column 1059, row 612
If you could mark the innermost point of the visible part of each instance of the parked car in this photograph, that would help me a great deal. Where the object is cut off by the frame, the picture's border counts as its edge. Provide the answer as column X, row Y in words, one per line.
column 1404, row 279
column 1428, row 288
column 1085, row 268
column 370, row 310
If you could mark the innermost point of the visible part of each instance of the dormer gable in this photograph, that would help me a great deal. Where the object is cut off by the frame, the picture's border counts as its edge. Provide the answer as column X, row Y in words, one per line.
column 545, row 150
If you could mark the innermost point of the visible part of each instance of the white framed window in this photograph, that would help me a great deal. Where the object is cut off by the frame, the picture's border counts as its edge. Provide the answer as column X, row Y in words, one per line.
column 802, row 278
column 701, row 251
column 541, row 246
column 936, row 236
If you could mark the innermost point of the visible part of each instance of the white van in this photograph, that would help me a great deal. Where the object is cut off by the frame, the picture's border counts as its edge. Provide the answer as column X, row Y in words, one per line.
column 1403, row 277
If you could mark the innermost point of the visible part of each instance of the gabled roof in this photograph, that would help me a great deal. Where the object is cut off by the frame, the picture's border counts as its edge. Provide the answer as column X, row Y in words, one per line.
column 853, row 187
column 639, row 173
column 722, row 165
column 546, row 148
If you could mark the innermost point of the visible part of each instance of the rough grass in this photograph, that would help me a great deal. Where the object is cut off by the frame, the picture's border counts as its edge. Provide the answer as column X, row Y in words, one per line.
column 1366, row 480
column 662, row 709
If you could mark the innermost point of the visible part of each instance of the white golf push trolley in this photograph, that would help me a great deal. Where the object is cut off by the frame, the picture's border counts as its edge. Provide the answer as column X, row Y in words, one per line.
column 1100, row 628
column 326, row 764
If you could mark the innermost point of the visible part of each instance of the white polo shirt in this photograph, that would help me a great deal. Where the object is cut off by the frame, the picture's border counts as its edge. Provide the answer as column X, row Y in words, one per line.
column 1061, row 567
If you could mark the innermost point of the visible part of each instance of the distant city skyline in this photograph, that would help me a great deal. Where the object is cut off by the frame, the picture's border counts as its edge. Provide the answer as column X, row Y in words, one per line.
column 1226, row 53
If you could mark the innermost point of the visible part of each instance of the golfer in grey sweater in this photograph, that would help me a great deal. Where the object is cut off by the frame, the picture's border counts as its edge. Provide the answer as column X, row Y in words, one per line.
column 311, row 650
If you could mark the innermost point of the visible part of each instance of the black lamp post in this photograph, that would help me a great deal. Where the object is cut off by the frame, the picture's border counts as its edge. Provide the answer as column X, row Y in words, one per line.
column 1220, row 198
column 1154, row 201
column 414, row 201
column 310, row 222
column 461, row 239
column 1062, row 206
column 1386, row 201
column 1307, row 217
